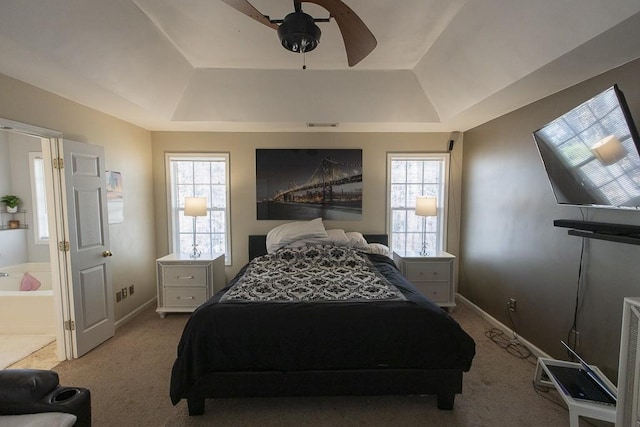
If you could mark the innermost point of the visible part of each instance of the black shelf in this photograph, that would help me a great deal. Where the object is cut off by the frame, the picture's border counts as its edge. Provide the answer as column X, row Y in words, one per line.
column 620, row 233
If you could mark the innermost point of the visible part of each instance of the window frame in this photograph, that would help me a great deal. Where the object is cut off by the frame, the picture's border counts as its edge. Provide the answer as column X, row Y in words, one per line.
column 443, row 197
column 170, row 186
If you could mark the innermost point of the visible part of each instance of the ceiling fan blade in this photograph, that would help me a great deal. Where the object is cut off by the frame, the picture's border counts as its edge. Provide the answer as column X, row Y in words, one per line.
column 245, row 7
column 359, row 41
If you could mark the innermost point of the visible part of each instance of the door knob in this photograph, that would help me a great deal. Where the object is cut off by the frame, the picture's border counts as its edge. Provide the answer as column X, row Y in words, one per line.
column 106, row 254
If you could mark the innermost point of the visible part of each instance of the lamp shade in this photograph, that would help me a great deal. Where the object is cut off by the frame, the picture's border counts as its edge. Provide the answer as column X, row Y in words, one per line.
column 426, row 206
column 195, row 206
column 609, row 150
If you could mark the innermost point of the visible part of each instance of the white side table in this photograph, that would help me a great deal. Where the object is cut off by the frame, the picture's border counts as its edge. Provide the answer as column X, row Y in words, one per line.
column 577, row 407
column 433, row 275
column 184, row 282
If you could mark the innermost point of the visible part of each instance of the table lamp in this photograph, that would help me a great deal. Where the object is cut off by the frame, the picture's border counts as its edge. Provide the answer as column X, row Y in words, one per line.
column 195, row 206
column 425, row 206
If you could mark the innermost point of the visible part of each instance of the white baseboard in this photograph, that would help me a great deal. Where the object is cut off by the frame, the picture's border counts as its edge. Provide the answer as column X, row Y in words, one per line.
column 496, row 323
column 135, row 312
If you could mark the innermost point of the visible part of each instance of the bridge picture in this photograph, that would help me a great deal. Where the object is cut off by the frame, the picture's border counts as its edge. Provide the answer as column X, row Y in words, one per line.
column 305, row 184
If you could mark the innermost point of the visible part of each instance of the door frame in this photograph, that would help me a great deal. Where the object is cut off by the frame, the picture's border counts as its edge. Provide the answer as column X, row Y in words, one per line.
column 51, row 147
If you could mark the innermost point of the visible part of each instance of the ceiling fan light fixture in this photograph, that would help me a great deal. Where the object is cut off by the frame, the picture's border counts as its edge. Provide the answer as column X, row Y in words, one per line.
column 299, row 32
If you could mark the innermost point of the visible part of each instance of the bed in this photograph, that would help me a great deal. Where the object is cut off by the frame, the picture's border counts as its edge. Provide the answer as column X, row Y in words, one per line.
column 392, row 344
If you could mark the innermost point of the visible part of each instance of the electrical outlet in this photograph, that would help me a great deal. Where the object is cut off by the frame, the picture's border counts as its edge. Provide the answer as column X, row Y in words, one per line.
column 124, row 293
column 118, row 296
column 511, row 304
column 130, row 289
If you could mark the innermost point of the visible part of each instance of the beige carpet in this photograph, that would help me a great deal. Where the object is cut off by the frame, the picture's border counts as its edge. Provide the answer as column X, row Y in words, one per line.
column 129, row 381
column 14, row 348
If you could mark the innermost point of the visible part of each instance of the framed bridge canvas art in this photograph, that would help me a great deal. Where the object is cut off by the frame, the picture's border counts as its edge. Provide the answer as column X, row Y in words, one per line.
column 304, row 184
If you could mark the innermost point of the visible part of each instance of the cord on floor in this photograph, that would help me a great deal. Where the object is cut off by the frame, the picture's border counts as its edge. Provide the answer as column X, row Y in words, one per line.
column 512, row 345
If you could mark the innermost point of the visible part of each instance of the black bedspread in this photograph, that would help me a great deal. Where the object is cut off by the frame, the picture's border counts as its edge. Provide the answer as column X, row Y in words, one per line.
column 302, row 336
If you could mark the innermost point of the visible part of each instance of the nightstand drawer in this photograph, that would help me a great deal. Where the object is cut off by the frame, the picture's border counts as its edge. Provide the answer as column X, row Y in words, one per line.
column 436, row 292
column 193, row 275
column 184, row 297
column 423, row 271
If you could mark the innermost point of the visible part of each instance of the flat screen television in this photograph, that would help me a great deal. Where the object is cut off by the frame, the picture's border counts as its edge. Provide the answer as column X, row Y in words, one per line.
column 591, row 155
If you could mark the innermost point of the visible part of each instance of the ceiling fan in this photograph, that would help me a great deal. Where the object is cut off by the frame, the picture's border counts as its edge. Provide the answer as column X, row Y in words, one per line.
column 299, row 33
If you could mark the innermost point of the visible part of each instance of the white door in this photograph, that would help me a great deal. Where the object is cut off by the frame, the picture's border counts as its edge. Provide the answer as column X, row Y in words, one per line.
column 91, row 296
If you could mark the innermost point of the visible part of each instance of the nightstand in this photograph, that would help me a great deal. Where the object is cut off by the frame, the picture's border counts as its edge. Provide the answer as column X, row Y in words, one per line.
column 433, row 275
column 184, row 282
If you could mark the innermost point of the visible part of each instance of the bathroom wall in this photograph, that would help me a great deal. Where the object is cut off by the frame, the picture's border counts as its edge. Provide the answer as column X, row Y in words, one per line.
column 19, row 148
column 13, row 247
column 13, row 243
column 19, row 246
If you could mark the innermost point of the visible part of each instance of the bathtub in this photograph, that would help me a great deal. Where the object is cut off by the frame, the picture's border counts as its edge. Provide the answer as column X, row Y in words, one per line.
column 26, row 312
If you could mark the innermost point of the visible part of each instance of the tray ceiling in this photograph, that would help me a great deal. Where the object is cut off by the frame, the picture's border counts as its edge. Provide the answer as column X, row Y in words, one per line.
column 440, row 65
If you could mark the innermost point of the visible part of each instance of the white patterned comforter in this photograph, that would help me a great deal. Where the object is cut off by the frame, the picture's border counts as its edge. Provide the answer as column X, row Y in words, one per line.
column 312, row 273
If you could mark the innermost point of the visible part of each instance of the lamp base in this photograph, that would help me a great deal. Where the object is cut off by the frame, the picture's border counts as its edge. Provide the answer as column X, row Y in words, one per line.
column 195, row 253
column 424, row 251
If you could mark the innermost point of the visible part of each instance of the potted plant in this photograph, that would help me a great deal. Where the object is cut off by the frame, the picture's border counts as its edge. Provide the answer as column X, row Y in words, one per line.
column 11, row 202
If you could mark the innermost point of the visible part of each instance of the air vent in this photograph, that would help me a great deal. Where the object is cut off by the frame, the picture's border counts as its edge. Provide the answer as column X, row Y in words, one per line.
column 322, row 125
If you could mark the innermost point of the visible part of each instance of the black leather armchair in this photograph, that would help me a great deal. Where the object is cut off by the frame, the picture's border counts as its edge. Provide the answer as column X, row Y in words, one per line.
column 33, row 391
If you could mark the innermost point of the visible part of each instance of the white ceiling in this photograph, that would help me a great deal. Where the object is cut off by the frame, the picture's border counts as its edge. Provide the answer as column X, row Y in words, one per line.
column 440, row 65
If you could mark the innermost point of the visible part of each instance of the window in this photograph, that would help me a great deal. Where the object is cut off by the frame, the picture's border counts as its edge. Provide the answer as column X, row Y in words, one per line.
column 39, row 199
column 199, row 175
column 410, row 176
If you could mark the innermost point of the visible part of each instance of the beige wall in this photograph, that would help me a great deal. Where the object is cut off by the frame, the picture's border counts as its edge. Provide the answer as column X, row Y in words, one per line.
column 510, row 248
column 139, row 155
column 242, row 146
column 127, row 150
column 19, row 148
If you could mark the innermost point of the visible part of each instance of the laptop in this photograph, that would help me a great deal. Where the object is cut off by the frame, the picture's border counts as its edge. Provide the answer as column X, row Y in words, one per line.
column 583, row 383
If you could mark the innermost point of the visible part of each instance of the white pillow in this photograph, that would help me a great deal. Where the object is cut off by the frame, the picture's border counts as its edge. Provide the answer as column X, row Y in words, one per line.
column 378, row 248
column 357, row 240
column 292, row 231
column 336, row 237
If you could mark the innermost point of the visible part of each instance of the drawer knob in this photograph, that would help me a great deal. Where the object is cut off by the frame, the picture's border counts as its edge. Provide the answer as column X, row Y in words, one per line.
column 184, row 277
column 184, row 297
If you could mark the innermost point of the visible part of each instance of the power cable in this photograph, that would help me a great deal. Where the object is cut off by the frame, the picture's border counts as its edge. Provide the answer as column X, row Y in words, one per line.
column 574, row 326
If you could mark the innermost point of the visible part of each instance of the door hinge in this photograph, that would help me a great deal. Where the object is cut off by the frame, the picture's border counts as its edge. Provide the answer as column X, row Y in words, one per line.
column 69, row 325
column 64, row 246
column 58, row 163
